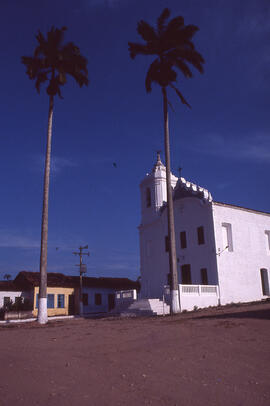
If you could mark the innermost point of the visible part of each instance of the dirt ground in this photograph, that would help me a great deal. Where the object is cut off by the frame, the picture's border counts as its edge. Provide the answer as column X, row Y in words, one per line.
column 213, row 357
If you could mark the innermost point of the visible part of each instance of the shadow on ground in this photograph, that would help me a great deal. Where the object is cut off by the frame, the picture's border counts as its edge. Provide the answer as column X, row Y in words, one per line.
column 248, row 314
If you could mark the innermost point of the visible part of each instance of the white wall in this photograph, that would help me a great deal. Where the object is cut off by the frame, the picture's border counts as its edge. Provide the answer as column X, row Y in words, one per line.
column 190, row 213
column 10, row 294
column 199, row 296
column 239, row 269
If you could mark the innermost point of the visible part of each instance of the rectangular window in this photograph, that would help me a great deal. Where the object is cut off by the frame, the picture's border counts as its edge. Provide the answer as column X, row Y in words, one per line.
column 186, row 274
column 200, row 232
column 50, row 301
column 85, row 299
column 37, row 301
column 183, row 239
column 148, row 197
column 61, row 301
column 227, row 237
column 98, row 299
column 204, row 276
column 167, row 243
column 18, row 300
column 265, row 283
column 6, row 300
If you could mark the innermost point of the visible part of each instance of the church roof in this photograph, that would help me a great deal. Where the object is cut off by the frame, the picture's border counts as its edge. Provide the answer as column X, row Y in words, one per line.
column 185, row 188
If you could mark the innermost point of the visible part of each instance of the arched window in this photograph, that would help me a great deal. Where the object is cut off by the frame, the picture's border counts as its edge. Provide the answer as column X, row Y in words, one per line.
column 148, row 197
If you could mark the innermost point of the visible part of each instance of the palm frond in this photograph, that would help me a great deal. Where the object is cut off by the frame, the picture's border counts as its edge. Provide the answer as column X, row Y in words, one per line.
column 191, row 56
column 184, row 68
column 146, row 31
column 175, row 24
column 162, row 19
column 170, row 104
column 34, row 66
column 42, row 47
column 179, row 94
column 151, row 75
column 139, row 49
column 42, row 77
column 59, row 60
column 187, row 33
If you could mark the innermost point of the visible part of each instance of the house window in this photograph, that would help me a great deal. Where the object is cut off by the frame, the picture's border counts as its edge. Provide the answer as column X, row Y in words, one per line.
column 167, row 243
column 50, row 301
column 37, row 301
column 148, row 197
column 98, row 299
column 227, row 236
column 204, row 276
column 18, row 300
column 61, row 301
column 6, row 300
column 186, row 274
column 183, row 239
column 200, row 232
column 85, row 299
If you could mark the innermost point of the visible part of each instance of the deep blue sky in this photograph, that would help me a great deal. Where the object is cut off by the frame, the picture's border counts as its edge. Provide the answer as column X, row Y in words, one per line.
column 222, row 143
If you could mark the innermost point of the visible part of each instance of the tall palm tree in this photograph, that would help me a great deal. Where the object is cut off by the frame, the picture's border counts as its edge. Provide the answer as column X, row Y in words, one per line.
column 52, row 62
column 171, row 43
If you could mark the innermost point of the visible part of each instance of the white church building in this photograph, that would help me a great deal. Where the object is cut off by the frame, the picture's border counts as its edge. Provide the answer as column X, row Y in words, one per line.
column 223, row 250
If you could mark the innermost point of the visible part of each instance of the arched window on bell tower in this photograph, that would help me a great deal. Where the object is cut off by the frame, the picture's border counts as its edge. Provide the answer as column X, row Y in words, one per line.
column 148, row 197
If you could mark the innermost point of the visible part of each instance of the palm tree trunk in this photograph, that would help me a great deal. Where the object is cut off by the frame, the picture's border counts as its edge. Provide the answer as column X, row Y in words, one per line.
column 42, row 302
column 175, row 307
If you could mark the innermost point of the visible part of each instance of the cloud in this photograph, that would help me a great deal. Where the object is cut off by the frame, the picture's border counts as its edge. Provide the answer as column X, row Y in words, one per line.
column 58, row 164
column 10, row 239
column 255, row 148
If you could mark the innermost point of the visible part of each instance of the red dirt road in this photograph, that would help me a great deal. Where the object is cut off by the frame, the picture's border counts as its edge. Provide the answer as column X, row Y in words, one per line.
column 213, row 357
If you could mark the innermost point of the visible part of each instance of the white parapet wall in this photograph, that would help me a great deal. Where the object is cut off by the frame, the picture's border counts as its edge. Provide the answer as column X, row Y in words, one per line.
column 198, row 296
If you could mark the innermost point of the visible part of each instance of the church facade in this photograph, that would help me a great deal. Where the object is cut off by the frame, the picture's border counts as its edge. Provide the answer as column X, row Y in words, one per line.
column 217, row 244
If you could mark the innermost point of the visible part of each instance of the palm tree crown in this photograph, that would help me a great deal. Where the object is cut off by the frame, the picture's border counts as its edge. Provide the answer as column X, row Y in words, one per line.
column 52, row 61
column 172, row 44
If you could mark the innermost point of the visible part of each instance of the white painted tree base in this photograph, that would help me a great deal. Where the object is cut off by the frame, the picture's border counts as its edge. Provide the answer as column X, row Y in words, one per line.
column 175, row 305
column 42, row 310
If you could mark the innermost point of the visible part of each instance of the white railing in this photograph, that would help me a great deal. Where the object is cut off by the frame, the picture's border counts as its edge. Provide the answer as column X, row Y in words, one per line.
column 198, row 296
column 190, row 289
column 198, row 289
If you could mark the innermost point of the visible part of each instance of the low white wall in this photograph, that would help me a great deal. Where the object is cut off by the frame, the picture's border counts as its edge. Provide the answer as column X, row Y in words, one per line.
column 200, row 296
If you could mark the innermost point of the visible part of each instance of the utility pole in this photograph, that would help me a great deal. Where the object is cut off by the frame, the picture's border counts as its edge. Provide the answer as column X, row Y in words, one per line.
column 82, row 271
